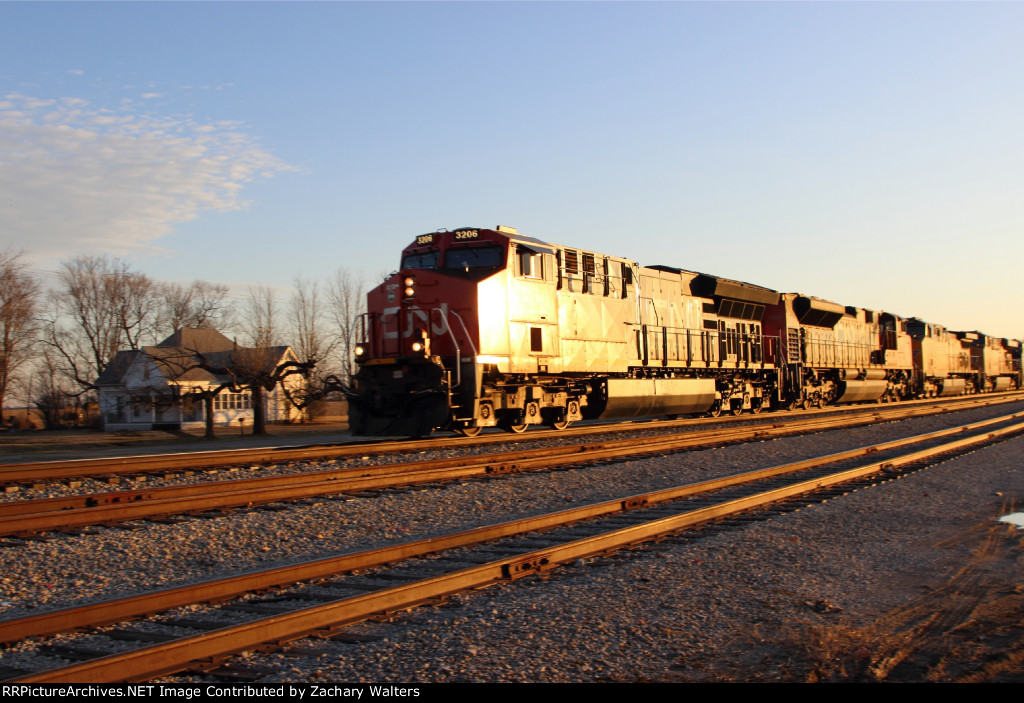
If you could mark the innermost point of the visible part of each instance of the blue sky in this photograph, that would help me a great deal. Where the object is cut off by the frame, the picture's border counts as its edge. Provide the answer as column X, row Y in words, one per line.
column 867, row 153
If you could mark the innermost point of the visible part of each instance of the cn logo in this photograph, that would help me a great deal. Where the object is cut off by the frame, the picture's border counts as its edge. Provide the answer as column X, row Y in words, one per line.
column 414, row 318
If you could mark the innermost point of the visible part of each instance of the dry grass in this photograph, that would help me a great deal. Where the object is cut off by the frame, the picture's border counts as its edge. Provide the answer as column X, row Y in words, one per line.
column 967, row 629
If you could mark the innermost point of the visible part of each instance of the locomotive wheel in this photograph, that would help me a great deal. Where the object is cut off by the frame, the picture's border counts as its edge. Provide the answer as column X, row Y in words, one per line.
column 736, row 408
column 470, row 431
column 560, row 424
column 715, row 410
column 515, row 429
column 755, row 406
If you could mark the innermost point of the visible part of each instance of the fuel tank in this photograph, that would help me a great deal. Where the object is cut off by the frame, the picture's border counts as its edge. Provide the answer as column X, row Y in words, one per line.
column 638, row 397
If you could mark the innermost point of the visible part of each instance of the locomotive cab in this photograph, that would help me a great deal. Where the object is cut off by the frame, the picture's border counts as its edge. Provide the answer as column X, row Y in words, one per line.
column 467, row 308
column 420, row 340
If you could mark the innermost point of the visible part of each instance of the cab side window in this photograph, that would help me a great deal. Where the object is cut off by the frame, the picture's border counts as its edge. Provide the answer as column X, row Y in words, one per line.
column 530, row 264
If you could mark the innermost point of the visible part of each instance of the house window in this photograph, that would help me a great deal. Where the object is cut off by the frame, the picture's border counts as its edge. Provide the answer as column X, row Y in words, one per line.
column 230, row 400
column 141, row 407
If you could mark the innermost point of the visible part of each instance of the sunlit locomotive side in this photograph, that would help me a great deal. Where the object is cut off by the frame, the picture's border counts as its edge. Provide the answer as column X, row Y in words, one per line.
column 995, row 361
column 1012, row 348
column 942, row 360
column 953, row 363
column 487, row 327
column 838, row 354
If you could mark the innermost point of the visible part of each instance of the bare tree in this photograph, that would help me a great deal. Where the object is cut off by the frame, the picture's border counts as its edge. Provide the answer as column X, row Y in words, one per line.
column 101, row 307
column 206, row 396
column 259, row 318
column 310, row 338
column 312, row 341
column 347, row 296
column 19, row 297
column 257, row 370
column 259, row 367
column 50, row 392
column 201, row 304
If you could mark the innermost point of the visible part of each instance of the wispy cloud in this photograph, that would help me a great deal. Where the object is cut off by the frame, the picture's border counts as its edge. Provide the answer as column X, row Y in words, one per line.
column 80, row 179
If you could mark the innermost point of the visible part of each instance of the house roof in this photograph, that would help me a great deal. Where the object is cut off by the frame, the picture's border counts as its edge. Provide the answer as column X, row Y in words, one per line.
column 179, row 363
column 116, row 369
column 198, row 339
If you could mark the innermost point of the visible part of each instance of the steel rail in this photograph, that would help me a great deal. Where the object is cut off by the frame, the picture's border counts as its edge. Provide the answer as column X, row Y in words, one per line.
column 174, row 656
column 798, row 424
column 125, row 505
column 58, row 514
column 28, row 472
column 119, row 609
column 498, row 462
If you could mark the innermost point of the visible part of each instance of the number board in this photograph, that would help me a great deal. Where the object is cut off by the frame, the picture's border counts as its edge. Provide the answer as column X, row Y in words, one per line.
column 466, row 234
column 425, row 239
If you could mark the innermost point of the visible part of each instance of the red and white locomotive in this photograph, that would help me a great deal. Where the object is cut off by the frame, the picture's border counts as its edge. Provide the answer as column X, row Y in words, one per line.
column 484, row 327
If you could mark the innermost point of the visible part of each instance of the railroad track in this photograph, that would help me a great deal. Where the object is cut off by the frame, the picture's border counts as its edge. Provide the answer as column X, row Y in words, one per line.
column 529, row 546
column 35, row 473
column 26, row 518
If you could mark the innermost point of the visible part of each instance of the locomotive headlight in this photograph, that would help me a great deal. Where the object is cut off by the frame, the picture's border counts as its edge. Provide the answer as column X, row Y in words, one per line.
column 359, row 350
column 420, row 343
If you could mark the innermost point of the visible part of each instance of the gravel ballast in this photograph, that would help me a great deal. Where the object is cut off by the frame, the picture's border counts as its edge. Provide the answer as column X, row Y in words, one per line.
column 718, row 607
column 724, row 607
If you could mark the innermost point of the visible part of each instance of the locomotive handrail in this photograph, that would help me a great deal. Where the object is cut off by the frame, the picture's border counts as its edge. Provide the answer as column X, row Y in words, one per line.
column 464, row 331
column 455, row 342
column 364, row 321
column 667, row 346
column 819, row 351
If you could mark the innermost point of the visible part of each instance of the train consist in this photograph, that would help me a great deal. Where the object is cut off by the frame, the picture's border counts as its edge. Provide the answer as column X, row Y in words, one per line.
column 486, row 327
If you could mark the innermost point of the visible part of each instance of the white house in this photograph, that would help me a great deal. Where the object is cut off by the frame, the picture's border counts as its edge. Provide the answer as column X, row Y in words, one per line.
column 156, row 387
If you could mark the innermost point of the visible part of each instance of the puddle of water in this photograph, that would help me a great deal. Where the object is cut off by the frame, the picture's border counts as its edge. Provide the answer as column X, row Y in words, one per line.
column 1016, row 518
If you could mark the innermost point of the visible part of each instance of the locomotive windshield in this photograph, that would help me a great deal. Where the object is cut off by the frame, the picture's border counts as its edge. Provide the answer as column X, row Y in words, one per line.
column 425, row 260
column 466, row 258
